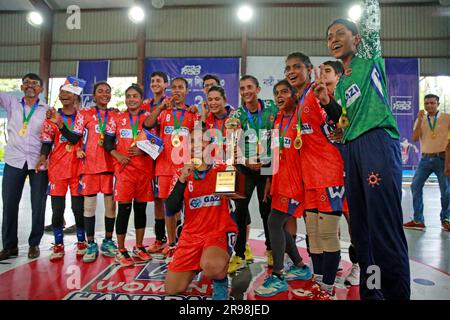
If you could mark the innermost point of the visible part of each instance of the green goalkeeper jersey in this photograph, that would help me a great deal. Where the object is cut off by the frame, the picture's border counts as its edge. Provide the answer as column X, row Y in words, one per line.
column 362, row 90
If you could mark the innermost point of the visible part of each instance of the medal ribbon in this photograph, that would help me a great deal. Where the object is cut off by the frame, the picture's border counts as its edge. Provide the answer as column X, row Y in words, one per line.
column 250, row 120
column 300, row 109
column 102, row 126
column 134, row 126
column 152, row 103
column 284, row 130
column 200, row 175
column 26, row 119
column 176, row 122
column 219, row 132
column 72, row 117
column 432, row 126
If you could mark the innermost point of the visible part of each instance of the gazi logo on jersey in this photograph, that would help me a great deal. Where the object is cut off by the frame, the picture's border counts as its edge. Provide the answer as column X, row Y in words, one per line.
column 352, row 94
column 204, row 201
column 183, row 131
column 125, row 133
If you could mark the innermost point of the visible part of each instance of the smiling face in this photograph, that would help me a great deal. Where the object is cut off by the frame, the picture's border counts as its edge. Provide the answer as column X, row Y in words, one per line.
column 133, row 100
column 216, row 102
column 341, row 42
column 31, row 88
column 102, row 95
column 249, row 91
column 179, row 91
column 284, row 98
column 67, row 98
column 296, row 72
column 157, row 85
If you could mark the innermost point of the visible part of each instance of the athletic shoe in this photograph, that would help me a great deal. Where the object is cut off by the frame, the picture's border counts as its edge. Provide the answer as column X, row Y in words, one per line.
column 273, row 285
column 236, row 263
column 353, row 277
column 81, row 248
column 269, row 258
column 316, row 292
column 248, row 253
column 123, row 258
column 414, row 225
column 156, row 246
column 168, row 253
column 57, row 252
column 220, row 290
column 446, row 225
column 109, row 248
column 91, row 252
column 287, row 262
column 298, row 273
column 141, row 253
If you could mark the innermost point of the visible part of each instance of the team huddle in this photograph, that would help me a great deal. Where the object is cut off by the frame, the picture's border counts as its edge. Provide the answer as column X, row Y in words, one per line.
column 291, row 150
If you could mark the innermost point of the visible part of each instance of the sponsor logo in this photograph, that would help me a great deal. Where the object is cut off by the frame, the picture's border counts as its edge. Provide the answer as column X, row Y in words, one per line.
column 183, row 131
column 402, row 105
column 125, row 133
column 352, row 94
column 306, row 128
column 191, row 70
column 205, row 201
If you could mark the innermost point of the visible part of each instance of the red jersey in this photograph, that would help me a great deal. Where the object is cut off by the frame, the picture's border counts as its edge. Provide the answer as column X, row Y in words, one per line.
column 218, row 133
column 97, row 160
column 203, row 211
column 63, row 164
column 166, row 164
column 321, row 161
column 120, row 127
column 149, row 105
column 287, row 181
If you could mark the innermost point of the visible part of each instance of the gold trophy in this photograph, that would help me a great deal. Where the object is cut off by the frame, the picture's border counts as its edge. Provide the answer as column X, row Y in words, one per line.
column 230, row 182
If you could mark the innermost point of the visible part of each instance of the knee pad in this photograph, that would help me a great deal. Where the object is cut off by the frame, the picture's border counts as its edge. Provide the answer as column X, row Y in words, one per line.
column 58, row 206
column 90, row 204
column 140, row 218
column 122, row 218
column 312, row 229
column 328, row 232
column 110, row 207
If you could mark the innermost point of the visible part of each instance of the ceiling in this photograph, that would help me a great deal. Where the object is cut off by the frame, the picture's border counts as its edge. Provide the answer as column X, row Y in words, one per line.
column 25, row 5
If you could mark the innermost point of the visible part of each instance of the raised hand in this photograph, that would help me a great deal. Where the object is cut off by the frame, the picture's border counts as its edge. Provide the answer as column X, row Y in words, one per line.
column 320, row 89
column 186, row 172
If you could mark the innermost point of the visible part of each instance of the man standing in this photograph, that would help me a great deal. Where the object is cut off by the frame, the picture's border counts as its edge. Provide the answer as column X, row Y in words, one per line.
column 25, row 121
column 432, row 131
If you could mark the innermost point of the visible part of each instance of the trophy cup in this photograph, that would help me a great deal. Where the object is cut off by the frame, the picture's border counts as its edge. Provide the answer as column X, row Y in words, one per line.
column 231, row 183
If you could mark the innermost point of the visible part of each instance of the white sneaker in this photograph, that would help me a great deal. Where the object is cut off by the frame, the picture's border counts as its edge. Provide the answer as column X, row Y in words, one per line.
column 353, row 277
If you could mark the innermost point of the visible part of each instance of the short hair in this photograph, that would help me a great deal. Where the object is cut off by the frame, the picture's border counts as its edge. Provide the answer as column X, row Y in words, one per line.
column 182, row 79
column 135, row 86
column 97, row 84
column 291, row 88
column 211, row 77
column 302, row 57
column 218, row 89
column 431, row 96
column 251, row 78
column 32, row 76
column 337, row 66
column 160, row 74
column 350, row 25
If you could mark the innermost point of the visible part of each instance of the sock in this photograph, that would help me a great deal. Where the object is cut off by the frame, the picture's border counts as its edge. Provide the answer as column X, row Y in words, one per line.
column 330, row 266
column 109, row 226
column 278, row 274
column 81, row 236
column 58, row 233
column 160, row 229
column 89, row 225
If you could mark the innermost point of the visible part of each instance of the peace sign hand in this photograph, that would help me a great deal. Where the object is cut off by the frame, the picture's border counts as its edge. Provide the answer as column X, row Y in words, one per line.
column 320, row 89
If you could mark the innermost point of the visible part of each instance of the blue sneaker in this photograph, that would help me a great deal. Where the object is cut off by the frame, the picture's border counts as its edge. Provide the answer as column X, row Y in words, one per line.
column 298, row 273
column 109, row 248
column 220, row 290
column 272, row 285
column 91, row 252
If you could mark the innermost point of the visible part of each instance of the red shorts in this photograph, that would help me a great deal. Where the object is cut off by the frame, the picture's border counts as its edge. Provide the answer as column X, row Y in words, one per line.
column 190, row 249
column 96, row 183
column 163, row 186
column 59, row 187
column 326, row 199
column 287, row 205
column 138, row 187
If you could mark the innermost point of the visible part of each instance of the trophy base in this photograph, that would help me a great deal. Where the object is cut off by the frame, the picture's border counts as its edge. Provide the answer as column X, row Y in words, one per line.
column 231, row 184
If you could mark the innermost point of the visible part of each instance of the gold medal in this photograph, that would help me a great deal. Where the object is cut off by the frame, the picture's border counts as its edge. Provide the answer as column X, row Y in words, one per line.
column 69, row 147
column 197, row 162
column 298, row 142
column 176, row 141
column 22, row 131
column 102, row 140
column 433, row 135
column 134, row 143
column 343, row 121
